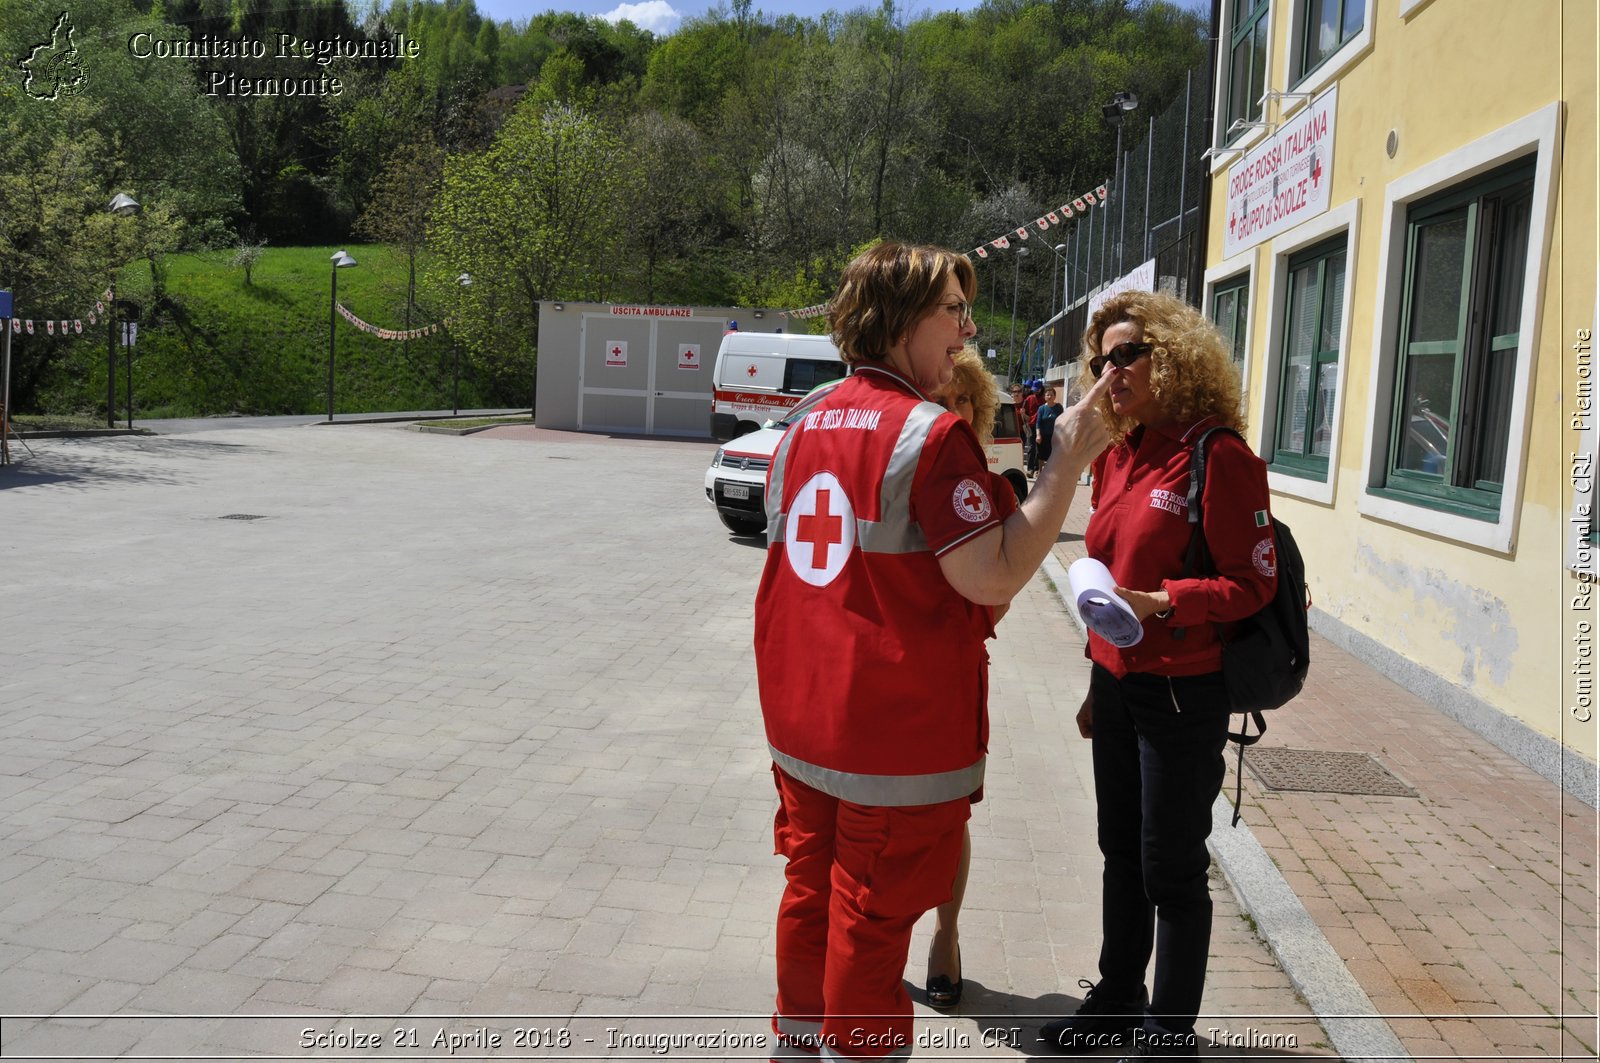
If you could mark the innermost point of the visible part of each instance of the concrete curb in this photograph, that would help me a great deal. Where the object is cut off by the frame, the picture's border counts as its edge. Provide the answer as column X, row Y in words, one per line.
column 79, row 433
column 440, row 431
column 1343, row 1008
column 401, row 418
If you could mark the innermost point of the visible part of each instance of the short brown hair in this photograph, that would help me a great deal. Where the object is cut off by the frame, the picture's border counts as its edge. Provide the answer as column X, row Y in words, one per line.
column 886, row 290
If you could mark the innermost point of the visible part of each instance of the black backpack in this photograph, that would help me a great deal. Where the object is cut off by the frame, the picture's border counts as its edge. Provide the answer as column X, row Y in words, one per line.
column 1264, row 662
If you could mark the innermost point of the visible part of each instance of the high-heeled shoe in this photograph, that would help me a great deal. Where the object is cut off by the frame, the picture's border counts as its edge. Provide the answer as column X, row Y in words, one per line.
column 944, row 992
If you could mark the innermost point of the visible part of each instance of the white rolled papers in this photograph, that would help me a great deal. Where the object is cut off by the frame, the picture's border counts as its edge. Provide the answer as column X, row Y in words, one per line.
column 1102, row 609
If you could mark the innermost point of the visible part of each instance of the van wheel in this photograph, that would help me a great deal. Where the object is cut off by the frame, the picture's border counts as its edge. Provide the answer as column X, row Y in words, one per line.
column 743, row 525
column 744, row 428
column 1019, row 484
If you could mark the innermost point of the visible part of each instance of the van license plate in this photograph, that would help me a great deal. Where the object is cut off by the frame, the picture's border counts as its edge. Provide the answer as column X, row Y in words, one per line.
column 735, row 490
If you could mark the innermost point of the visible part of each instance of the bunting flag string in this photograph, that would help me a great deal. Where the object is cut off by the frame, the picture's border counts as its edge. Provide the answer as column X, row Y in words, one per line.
column 388, row 333
column 816, row 310
column 73, row 326
column 1062, row 214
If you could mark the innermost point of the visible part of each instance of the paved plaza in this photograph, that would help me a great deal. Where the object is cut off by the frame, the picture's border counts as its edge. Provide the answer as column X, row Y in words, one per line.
column 356, row 742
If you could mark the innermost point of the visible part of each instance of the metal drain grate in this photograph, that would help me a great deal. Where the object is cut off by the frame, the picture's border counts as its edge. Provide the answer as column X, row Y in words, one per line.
column 243, row 516
column 1324, row 771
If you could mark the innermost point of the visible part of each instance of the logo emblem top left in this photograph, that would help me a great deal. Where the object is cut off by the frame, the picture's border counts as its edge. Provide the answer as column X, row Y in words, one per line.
column 53, row 68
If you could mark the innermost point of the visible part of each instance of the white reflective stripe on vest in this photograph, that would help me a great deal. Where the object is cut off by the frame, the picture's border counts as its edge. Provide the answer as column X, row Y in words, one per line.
column 896, row 791
column 897, row 533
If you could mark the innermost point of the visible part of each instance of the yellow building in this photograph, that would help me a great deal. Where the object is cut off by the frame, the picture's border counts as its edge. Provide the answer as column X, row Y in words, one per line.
column 1402, row 241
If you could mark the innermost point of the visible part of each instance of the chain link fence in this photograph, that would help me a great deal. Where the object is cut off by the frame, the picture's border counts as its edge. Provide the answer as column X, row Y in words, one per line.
column 1155, row 211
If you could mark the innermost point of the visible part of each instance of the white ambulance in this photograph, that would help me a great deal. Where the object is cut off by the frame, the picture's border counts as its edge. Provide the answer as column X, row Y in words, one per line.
column 761, row 375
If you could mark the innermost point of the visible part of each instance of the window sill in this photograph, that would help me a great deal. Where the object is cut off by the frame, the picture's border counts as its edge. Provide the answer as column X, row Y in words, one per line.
column 1330, row 69
column 1473, row 526
column 1307, row 484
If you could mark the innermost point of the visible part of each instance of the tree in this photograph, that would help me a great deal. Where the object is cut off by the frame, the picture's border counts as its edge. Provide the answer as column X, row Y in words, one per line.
column 402, row 199
column 679, row 192
column 287, row 177
column 139, row 128
column 540, row 215
column 246, row 253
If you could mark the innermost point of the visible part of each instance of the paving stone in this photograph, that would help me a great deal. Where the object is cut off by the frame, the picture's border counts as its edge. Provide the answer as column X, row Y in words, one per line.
column 392, row 765
column 124, row 960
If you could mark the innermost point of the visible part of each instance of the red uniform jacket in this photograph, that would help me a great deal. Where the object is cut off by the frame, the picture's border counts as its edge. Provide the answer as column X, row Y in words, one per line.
column 872, row 669
column 1140, row 530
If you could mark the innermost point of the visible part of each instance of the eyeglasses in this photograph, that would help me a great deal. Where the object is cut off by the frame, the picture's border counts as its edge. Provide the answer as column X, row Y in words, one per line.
column 1121, row 356
column 961, row 311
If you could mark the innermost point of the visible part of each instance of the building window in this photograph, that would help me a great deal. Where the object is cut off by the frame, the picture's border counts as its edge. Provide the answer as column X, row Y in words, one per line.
column 1230, row 310
column 1313, row 319
column 1247, row 65
column 1327, row 26
column 1460, row 327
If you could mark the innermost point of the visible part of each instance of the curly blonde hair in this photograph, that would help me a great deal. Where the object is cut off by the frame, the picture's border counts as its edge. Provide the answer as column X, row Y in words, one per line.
column 972, row 378
column 1191, row 371
column 886, row 290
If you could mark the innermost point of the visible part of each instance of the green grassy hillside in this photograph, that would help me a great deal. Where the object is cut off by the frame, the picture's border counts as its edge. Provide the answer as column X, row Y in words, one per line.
column 217, row 345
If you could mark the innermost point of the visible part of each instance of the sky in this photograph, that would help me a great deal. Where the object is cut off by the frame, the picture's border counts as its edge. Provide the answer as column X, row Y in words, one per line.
column 663, row 16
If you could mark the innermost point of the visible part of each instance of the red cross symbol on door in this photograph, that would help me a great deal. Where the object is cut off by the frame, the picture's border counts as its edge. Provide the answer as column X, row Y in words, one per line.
column 822, row 530
column 616, row 350
column 751, row 371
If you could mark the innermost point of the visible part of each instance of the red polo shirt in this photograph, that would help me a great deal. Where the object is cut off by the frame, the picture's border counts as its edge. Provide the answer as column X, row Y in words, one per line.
column 1140, row 530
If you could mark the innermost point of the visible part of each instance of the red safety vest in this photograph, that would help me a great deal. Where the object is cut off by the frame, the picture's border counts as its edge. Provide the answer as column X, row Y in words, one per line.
column 872, row 669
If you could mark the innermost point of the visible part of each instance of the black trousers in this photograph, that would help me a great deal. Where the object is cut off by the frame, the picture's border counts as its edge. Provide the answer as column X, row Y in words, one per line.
column 1158, row 768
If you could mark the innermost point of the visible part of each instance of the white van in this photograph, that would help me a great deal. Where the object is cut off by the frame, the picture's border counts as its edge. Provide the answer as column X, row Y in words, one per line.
column 760, row 375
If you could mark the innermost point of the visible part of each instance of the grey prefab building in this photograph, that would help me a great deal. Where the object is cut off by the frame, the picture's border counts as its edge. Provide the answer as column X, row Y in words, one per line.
column 611, row 367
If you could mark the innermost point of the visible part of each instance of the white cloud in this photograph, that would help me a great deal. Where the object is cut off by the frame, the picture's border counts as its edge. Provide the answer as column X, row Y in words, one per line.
column 657, row 16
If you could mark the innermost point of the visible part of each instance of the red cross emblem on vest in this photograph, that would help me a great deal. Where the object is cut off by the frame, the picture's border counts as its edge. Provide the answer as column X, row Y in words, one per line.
column 971, row 502
column 819, row 530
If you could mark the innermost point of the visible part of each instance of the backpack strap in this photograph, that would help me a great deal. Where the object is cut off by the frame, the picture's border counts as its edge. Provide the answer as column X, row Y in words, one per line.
column 1244, row 738
column 1199, row 555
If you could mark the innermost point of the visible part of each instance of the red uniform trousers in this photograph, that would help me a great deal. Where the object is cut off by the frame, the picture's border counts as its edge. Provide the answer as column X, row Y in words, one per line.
column 859, row 877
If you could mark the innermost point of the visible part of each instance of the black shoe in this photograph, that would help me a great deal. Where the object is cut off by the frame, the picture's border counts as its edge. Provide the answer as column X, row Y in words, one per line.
column 1100, row 1022
column 944, row 992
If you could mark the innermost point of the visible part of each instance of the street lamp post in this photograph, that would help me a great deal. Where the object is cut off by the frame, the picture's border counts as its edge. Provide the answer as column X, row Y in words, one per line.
column 339, row 261
column 1059, row 248
column 465, row 280
column 1016, row 273
column 123, row 206
column 1121, row 102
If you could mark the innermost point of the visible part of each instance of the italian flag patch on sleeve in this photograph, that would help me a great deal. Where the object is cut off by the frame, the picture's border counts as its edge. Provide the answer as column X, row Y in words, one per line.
column 1262, row 520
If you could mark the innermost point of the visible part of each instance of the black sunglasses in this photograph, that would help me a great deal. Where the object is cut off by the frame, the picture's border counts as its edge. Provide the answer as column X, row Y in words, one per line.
column 1121, row 356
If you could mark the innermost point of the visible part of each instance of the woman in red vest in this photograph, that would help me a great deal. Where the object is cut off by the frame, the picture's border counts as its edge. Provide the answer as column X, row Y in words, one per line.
column 885, row 551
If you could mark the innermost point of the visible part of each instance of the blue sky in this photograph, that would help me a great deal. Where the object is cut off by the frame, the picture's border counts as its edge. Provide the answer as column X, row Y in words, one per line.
column 663, row 16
